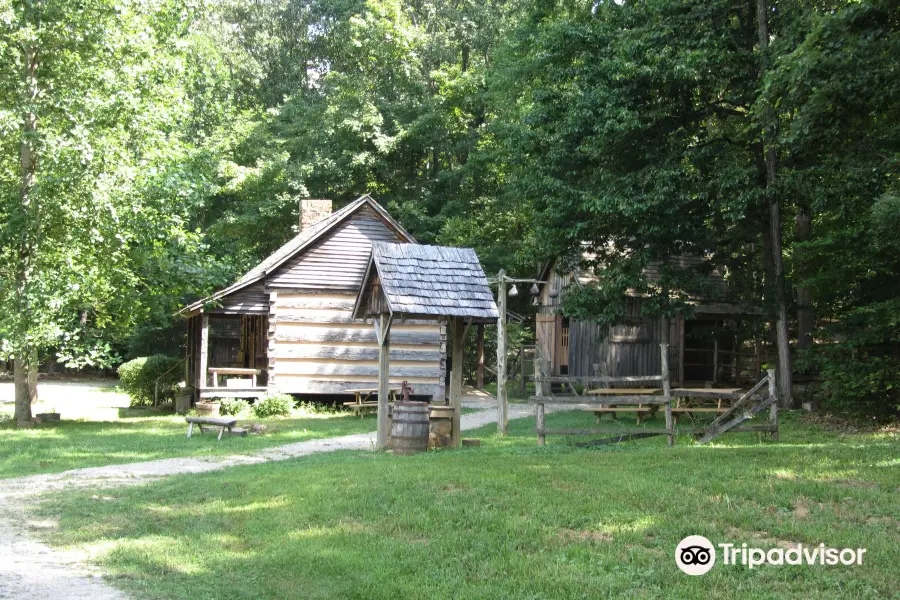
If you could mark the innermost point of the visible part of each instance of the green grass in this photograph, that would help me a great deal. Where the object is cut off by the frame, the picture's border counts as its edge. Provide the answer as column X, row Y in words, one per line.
column 52, row 448
column 504, row 520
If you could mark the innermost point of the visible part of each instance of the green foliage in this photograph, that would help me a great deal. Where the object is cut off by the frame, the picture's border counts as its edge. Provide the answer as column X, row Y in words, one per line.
column 139, row 377
column 313, row 407
column 274, row 405
column 229, row 407
column 862, row 383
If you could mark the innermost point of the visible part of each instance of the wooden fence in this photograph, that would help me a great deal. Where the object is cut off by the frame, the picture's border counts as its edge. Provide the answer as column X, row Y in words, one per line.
column 746, row 405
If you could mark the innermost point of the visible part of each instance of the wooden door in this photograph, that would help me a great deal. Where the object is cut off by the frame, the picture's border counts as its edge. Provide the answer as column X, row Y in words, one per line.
column 562, row 346
column 546, row 341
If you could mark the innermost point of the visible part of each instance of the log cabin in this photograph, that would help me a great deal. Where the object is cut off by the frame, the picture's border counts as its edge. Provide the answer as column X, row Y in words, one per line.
column 714, row 345
column 287, row 324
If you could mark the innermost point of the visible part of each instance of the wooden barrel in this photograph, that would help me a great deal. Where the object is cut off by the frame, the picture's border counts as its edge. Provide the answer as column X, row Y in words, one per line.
column 409, row 427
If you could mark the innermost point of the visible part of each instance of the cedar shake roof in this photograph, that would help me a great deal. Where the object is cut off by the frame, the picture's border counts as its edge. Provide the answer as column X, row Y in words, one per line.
column 435, row 281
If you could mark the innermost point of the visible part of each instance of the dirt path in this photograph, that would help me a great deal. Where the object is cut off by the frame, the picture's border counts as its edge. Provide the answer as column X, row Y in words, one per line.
column 30, row 570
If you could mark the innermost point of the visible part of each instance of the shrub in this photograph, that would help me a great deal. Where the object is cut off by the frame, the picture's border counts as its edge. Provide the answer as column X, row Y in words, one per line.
column 232, row 407
column 274, row 405
column 314, row 407
column 857, row 382
column 138, row 378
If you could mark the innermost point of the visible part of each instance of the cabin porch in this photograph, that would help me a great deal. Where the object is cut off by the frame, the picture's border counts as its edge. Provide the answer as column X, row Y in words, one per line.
column 227, row 355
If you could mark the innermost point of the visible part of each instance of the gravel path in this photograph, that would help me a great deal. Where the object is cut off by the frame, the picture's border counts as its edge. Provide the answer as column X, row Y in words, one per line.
column 30, row 570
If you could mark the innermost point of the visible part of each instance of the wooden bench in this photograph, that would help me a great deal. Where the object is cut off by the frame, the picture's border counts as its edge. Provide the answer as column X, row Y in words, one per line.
column 640, row 410
column 220, row 423
column 362, row 402
column 685, row 405
column 216, row 371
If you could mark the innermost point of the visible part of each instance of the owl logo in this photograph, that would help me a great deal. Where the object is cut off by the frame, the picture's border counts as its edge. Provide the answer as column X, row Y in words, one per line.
column 695, row 555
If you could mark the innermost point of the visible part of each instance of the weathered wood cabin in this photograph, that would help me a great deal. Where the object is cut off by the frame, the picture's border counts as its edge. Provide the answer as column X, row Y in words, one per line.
column 704, row 348
column 288, row 322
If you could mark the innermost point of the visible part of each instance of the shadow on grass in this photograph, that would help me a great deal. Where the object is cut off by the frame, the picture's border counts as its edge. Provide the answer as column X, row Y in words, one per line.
column 74, row 444
column 507, row 519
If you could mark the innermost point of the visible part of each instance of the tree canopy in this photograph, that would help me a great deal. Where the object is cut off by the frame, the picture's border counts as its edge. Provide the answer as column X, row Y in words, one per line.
column 152, row 150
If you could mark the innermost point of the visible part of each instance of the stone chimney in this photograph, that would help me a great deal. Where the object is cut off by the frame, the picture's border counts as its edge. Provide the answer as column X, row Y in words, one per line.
column 313, row 211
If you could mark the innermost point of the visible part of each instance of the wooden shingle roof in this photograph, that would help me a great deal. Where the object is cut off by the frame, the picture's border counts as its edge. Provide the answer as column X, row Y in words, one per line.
column 431, row 281
column 297, row 244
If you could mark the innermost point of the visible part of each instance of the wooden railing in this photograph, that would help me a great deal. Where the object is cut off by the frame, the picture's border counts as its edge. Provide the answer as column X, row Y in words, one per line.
column 731, row 420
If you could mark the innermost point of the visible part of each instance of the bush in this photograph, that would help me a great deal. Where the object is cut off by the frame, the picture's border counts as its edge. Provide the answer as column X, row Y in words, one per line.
column 274, row 405
column 314, row 407
column 862, row 383
column 138, row 378
column 232, row 407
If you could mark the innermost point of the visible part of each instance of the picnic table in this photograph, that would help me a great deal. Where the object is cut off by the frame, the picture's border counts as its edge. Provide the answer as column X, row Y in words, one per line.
column 216, row 371
column 362, row 402
column 639, row 409
column 220, row 423
column 701, row 400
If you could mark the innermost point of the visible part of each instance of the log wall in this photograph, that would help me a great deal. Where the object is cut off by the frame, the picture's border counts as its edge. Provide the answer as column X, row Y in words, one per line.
column 315, row 347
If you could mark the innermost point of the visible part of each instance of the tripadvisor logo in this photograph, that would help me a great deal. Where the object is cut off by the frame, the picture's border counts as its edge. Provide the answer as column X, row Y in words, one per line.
column 696, row 555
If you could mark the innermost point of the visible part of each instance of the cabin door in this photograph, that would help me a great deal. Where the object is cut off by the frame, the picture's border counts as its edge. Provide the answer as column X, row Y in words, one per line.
column 562, row 345
column 546, row 341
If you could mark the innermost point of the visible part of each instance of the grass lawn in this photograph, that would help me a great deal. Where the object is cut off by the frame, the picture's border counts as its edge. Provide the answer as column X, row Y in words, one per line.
column 99, row 429
column 504, row 520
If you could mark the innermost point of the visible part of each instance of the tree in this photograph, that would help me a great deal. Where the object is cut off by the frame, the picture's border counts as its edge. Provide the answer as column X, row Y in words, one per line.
column 92, row 96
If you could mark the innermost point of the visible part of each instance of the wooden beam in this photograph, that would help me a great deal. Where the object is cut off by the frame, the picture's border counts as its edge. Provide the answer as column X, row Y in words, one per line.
column 598, row 400
column 542, row 431
column 383, row 333
column 539, row 389
column 479, row 365
column 715, row 373
column 773, row 411
column 204, row 351
column 502, row 396
column 667, row 391
column 457, row 328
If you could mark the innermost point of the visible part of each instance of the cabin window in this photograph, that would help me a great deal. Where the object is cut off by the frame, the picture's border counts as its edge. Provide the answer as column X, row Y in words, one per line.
column 564, row 337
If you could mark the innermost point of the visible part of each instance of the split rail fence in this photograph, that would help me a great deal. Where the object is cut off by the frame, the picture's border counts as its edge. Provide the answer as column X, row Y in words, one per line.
column 746, row 405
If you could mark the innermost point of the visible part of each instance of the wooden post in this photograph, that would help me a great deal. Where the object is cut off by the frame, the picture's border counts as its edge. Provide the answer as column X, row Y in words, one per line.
column 457, row 328
column 479, row 367
column 539, row 423
column 502, row 397
column 715, row 377
column 773, row 410
column 522, row 378
column 667, row 391
column 758, row 347
column 539, row 391
column 204, row 350
column 383, row 335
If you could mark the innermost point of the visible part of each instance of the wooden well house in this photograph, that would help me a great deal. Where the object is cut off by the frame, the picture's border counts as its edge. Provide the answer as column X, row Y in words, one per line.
column 406, row 284
column 709, row 347
column 287, row 325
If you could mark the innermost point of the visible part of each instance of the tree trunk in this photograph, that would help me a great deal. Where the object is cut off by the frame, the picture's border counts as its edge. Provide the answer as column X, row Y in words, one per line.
column 782, row 341
column 25, row 365
column 22, row 412
column 805, row 315
column 32, row 379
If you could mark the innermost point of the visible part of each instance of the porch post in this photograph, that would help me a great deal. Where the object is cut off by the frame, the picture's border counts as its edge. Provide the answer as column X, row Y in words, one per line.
column 457, row 327
column 502, row 394
column 479, row 370
column 204, row 351
column 383, row 335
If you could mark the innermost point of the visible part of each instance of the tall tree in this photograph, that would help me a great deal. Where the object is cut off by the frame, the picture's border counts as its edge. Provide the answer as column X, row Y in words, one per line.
column 782, row 339
column 90, row 95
